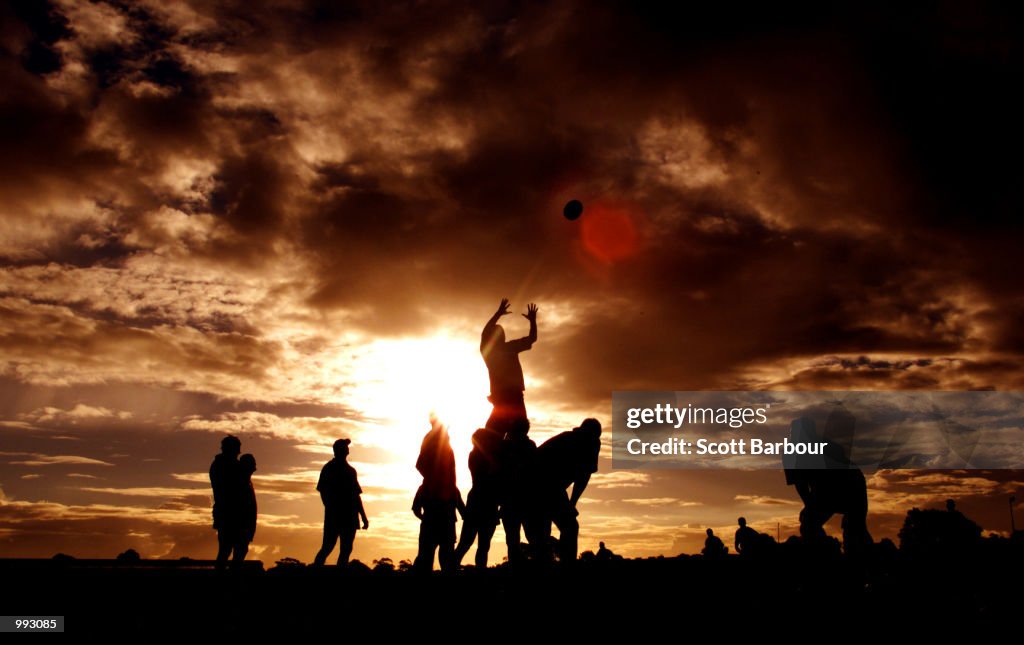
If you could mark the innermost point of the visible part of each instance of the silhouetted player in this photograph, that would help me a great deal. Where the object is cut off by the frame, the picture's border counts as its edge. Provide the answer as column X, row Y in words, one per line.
column 713, row 547
column 517, row 486
column 567, row 459
column 437, row 499
column 746, row 538
column 247, row 507
column 226, row 480
column 504, row 369
column 343, row 504
column 828, row 484
column 481, row 516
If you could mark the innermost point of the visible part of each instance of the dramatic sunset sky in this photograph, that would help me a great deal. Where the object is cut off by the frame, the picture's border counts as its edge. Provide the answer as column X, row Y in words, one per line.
column 289, row 221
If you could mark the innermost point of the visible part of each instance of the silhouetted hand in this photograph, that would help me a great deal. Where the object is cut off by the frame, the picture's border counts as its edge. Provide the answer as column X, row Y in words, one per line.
column 503, row 308
column 366, row 524
column 531, row 312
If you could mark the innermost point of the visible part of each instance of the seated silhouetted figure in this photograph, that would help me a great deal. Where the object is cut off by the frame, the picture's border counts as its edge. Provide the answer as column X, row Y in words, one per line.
column 567, row 459
column 343, row 504
column 437, row 499
column 604, row 553
column 227, row 483
column 935, row 532
column 747, row 539
column 713, row 547
column 247, row 506
column 481, row 516
column 504, row 369
column 516, row 480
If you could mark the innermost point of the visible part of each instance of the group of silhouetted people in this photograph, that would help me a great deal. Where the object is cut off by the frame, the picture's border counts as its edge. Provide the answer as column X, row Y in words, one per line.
column 516, row 482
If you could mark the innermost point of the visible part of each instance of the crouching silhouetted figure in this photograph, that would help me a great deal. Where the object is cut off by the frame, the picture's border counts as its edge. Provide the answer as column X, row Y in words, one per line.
column 567, row 459
column 343, row 505
column 827, row 485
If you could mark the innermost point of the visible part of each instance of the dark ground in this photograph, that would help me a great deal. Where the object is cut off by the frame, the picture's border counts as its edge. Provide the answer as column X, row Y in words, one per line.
column 794, row 592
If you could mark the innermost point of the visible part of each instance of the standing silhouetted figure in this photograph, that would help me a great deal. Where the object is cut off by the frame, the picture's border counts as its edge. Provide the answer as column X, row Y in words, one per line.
column 481, row 516
column 247, row 506
column 437, row 499
column 517, row 486
column 713, row 547
column 504, row 369
column 343, row 504
column 227, row 482
column 567, row 459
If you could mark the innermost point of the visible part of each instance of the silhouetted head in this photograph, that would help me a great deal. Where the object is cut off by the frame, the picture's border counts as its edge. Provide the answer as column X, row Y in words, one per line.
column 601, row 544
column 519, row 427
column 341, row 448
column 710, row 532
column 248, row 463
column 231, row 445
column 950, row 505
column 742, row 521
column 590, row 427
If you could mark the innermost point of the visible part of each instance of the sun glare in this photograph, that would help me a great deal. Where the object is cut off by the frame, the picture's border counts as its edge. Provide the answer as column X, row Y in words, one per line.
column 401, row 382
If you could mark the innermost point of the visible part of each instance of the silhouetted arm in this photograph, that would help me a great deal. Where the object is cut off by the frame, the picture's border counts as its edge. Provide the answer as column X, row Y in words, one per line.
column 460, row 506
column 578, row 487
column 362, row 513
column 489, row 327
column 417, row 503
column 526, row 342
column 531, row 315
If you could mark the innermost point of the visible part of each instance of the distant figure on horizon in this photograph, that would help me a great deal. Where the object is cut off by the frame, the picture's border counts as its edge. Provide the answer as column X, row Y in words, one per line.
column 481, row 516
column 713, row 547
column 247, row 507
column 343, row 505
column 227, row 483
column 437, row 499
column 746, row 538
column 604, row 553
column 504, row 369
column 567, row 459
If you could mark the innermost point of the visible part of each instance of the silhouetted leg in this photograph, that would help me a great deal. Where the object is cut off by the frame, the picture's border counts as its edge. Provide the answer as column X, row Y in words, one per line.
column 348, row 538
column 856, row 538
column 427, row 544
column 446, row 546
column 513, row 527
column 564, row 516
column 537, row 525
column 483, row 544
column 812, row 522
column 241, row 549
column 469, row 533
column 224, row 545
column 331, row 535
